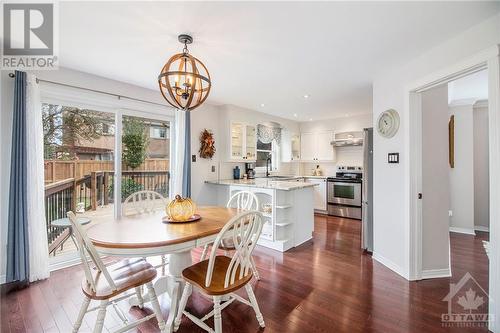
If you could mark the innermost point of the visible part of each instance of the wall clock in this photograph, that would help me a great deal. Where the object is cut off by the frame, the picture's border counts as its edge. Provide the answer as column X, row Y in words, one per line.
column 388, row 123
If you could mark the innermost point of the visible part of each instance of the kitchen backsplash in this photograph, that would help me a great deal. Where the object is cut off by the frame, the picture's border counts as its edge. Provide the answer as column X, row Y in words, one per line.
column 352, row 156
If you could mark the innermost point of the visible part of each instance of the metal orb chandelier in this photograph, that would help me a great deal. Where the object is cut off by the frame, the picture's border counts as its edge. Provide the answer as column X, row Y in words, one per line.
column 184, row 80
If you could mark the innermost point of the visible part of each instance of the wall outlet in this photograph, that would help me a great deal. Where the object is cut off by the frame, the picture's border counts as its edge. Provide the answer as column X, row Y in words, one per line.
column 213, row 168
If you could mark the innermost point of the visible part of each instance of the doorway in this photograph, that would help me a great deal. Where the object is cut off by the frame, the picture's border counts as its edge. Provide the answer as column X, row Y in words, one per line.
column 488, row 60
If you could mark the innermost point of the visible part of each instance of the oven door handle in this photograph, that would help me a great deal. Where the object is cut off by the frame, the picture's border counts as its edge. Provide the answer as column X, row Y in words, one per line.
column 346, row 184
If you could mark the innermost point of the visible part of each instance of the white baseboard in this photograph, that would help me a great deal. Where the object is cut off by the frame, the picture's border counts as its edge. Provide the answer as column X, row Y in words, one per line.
column 390, row 264
column 481, row 228
column 436, row 273
column 463, row 230
column 3, row 278
column 54, row 266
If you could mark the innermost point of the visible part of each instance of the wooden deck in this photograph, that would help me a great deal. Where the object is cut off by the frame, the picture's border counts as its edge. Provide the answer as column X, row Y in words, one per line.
column 325, row 285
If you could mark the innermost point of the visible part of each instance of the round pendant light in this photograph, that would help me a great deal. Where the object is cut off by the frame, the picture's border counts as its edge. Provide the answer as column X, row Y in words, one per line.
column 184, row 80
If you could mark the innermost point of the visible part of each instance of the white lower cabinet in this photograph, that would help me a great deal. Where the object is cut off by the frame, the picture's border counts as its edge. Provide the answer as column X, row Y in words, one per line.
column 290, row 223
column 319, row 191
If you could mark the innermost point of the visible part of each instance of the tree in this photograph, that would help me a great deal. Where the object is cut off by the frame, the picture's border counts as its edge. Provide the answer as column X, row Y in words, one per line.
column 69, row 126
column 135, row 142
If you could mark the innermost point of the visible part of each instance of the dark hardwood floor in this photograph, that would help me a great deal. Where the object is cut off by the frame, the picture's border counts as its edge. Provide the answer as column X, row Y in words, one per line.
column 325, row 285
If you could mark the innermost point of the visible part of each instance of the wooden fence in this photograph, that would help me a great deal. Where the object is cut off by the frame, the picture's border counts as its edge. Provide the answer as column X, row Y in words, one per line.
column 57, row 170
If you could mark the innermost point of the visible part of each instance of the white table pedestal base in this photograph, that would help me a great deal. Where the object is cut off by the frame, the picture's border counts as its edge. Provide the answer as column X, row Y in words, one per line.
column 172, row 285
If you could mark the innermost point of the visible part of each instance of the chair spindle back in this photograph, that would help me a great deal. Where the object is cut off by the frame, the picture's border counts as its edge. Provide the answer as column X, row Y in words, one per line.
column 245, row 200
column 142, row 202
column 85, row 247
column 244, row 229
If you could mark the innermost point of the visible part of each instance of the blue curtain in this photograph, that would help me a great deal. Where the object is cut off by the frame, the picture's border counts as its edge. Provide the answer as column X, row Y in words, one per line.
column 17, row 233
column 186, row 180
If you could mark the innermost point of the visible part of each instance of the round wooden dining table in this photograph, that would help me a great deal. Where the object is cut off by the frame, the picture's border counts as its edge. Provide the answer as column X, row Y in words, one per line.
column 145, row 235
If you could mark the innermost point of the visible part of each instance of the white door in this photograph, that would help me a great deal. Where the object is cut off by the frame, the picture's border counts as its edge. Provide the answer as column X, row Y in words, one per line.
column 435, row 179
column 307, row 149
column 324, row 150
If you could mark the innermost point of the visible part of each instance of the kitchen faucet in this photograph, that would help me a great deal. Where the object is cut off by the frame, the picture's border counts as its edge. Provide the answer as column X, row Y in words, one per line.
column 268, row 161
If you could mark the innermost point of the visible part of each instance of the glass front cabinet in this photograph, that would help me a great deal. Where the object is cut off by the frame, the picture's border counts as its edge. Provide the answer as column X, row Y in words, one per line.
column 243, row 142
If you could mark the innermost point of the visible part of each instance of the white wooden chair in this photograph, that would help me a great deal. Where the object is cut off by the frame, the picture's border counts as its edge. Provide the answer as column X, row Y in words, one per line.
column 145, row 202
column 109, row 284
column 244, row 200
column 221, row 276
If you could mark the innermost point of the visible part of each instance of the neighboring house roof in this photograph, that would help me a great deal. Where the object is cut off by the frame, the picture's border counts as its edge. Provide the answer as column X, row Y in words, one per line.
column 85, row 150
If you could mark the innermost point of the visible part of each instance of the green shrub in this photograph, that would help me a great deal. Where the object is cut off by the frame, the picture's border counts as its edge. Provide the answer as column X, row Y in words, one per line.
column 135, row 142
column 129, row 186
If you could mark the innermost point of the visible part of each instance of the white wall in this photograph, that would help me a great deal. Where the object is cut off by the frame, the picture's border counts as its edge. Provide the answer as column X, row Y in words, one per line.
column 392, row 181
column 344, row 155
column 204, row 117
column 481, row 167
column 462, row 175
column 435, row 181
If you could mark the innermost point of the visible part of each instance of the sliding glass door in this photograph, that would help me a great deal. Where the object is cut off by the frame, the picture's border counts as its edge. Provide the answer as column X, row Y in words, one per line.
column 145, row 163
column 79, row 154
column 96, row 154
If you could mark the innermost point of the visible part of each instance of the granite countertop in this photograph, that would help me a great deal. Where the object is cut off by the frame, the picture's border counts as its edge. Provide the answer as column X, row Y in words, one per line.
column 264, row 183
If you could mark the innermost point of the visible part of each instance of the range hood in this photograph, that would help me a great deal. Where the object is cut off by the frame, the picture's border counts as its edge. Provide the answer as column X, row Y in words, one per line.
column 345, row 139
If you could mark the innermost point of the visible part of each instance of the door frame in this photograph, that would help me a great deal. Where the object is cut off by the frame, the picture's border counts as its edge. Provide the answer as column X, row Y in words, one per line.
column 488, row 59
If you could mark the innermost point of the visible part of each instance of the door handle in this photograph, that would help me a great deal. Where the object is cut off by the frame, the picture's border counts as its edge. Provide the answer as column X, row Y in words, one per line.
column 420, row 196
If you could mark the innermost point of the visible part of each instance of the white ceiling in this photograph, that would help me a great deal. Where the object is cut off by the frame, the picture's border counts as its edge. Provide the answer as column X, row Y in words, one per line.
column 269, row 53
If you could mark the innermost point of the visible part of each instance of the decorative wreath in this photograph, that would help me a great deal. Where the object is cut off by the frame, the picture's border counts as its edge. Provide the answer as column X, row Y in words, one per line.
column 207, row 144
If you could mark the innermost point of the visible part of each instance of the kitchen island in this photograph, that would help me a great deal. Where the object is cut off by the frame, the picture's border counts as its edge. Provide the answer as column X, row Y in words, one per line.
column 287, row 207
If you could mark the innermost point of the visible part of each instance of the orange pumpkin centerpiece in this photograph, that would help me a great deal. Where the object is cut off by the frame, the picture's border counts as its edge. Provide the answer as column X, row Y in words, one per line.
column 180, row 209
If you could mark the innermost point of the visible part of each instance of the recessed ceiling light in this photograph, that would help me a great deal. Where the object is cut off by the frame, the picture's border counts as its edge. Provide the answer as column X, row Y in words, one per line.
column 310, row 119
column 295, row 115
column 347, row 115
column 306, row 96
column 262, row 105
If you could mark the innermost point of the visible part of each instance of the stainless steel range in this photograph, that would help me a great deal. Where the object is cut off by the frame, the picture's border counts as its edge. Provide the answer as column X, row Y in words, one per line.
column 344, row 192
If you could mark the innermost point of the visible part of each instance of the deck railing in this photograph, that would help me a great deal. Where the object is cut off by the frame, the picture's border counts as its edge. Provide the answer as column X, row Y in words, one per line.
column 92, row 191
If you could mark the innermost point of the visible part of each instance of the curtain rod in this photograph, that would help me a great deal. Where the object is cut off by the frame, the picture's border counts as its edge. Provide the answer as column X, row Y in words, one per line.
column 12, row 75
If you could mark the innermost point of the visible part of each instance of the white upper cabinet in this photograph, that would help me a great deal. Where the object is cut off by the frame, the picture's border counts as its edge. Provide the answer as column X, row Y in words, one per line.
column 316, row 146
column 243, row 143
column 307, row 149
column 324, row 149
column 290, row 146
column 250, row 142
column 295, row 147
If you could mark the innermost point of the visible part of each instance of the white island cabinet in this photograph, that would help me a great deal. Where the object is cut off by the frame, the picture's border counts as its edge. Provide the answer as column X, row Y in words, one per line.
column 289, row 222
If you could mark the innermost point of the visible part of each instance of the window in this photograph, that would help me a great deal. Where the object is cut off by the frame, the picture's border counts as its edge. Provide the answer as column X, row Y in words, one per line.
column 158, row 132
column 265, row 151
column 108, row 129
